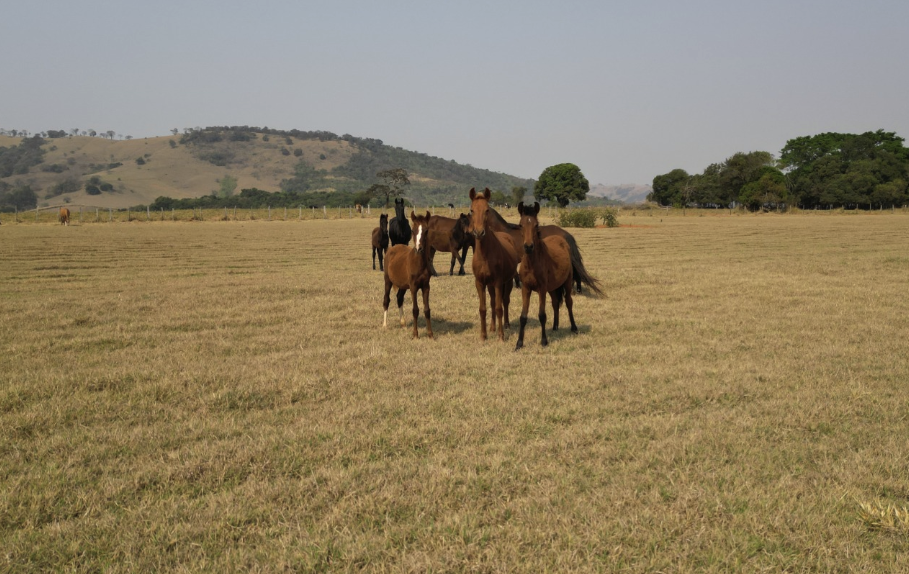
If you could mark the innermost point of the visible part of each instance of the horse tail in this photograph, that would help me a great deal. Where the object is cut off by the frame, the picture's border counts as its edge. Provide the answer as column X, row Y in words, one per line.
column 581, row 275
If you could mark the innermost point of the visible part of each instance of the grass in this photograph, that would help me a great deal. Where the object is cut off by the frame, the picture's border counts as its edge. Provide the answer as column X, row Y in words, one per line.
column 222, row 396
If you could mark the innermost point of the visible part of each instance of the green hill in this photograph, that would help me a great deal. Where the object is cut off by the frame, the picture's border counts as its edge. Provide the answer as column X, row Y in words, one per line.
column 100, row 172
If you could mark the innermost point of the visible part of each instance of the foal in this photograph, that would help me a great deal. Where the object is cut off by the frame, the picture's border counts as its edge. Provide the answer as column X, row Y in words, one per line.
column 545, row 268
column 380, row 241
column 449, row 236
column 408, row 268
column 495, row 263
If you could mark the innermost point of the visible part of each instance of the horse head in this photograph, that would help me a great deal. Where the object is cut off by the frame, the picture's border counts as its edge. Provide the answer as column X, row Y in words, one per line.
column 399, row 209
column 383, row 222
column 420, row 230
column 479, row 211
column 530, row 225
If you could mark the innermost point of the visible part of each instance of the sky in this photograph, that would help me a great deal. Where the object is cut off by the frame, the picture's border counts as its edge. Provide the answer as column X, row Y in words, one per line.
column 625, row 90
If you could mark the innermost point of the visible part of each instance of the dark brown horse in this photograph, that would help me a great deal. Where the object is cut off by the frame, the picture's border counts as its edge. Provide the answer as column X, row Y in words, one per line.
column 545, row 268
column 449, row 236
column 408, row 268
column 495, row 262
column 380, row 241
column 64, row 215
column 577, row 262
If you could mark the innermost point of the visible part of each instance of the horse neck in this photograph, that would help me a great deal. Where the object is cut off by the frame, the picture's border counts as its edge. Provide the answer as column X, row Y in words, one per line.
column 539, row 257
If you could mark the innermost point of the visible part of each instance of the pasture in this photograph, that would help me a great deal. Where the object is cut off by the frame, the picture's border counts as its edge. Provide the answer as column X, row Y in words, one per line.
column 221, row 396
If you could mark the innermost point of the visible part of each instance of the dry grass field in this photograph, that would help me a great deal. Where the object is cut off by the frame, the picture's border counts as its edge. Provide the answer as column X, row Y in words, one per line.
column 221, row 396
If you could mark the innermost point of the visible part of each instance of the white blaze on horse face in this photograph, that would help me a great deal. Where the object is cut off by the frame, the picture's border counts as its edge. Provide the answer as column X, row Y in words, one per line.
column 419, row 235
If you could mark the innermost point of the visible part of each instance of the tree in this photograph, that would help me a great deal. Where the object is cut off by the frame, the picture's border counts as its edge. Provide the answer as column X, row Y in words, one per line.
column 563, row 183
column 517, row 193
column 175, row 131
column 667, row 187
column 228, row 186
column 92, row 133
column 395, row 179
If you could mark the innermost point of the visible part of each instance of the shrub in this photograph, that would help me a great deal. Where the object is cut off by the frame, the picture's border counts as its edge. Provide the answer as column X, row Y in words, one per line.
column 106, row 187
column 610, row 216
column 285, row 151
column 172, row 143
column 298, row 152
column 140, row 161
column 577, row 218
column 92, row 190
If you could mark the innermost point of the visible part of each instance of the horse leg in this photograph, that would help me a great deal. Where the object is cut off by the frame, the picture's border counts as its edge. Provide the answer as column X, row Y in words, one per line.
column 492, row 305
column 481, row 293
column 556, row 295
column 381, row 257
column 432, row 255
column 506, row 301
column 426, row 310
column 373, row 258
column 569, row 304
column 416, row 310
column 463, row 259
column 401, row 292
column 525, row 304
column 386, row 300
column 454, row 257
column 500, row 310
column 542, row 294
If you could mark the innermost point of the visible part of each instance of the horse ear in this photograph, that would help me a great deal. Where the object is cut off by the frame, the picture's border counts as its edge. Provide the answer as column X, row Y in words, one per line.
column 412, row 214
column 520, row 208
column 536, row 207
column 487, row 194
column 473, row 193
column 428, row 215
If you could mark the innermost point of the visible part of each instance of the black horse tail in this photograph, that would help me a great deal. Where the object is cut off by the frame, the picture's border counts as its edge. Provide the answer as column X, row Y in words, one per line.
column 580, row 272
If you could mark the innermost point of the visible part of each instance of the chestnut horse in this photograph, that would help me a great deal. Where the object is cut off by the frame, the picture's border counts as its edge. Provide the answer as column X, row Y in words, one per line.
column 495, row 262
column 398, row 228
column 380, row 241
column 408, row 268
column 449, row 236
column 64, row 215
column 545, row 268
column 581, row 275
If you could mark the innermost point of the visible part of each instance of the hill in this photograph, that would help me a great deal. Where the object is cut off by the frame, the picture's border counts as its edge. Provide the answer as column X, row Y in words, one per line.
column 137, row 171
column 626, row 193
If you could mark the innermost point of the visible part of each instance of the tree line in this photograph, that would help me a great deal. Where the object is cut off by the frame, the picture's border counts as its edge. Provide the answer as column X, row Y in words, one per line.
column 829, row 170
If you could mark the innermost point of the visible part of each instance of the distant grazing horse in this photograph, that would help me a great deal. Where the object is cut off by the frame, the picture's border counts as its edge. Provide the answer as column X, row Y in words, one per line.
column 545, row 268
column 64, row 216
column 408, row 268
column 380, row 241
column 580, row 273
column 449, row 236
column 398, row 227
column 495, row 263
column 359, row 208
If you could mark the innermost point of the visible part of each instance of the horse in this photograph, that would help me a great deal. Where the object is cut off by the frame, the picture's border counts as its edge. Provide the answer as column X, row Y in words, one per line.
column 408, row 268
column 398, row 228
column 580, row 273
column 495, row 263
column 449, row 236
column 64, row 215
column 359, row 208
column 380, row 241
column 545, row 268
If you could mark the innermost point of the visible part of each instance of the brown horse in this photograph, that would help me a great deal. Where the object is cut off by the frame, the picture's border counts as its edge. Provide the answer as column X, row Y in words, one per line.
column 380, row 241
column 581, row 275
column 64, row 215
column 495, row 262
column 449, row 236
column 545, row 268
column 408, row 268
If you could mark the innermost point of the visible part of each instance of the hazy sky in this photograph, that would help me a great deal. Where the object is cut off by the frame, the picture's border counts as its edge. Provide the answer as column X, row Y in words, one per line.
column 626, row 90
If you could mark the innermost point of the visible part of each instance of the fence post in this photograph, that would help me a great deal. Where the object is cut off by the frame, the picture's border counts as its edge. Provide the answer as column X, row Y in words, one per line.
column 110, row 215
column 36, row 214
column 97, row 215
column 269, row 213
column 324, row 211
column 80, row 214
column 285, row 213
column 17, row 214
column 301, row 213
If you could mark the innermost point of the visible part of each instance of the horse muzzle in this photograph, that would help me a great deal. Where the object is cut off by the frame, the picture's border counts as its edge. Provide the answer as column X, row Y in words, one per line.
column 528, row 249
column 479, row 234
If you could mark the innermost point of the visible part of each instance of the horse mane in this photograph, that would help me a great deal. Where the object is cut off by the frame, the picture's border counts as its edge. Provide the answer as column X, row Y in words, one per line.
column 501, row 220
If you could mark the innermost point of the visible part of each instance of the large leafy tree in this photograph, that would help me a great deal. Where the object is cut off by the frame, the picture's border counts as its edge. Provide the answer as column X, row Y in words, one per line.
column 562, row 183
column 667, row 188
column 847, row 169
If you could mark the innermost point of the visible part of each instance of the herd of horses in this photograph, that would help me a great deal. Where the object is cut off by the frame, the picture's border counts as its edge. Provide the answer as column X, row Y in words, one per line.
column 540, row 258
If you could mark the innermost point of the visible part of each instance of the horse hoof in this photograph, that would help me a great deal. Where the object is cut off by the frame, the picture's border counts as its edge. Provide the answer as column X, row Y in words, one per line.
column 518, row 347
column 574, row 330
column 544, row 344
